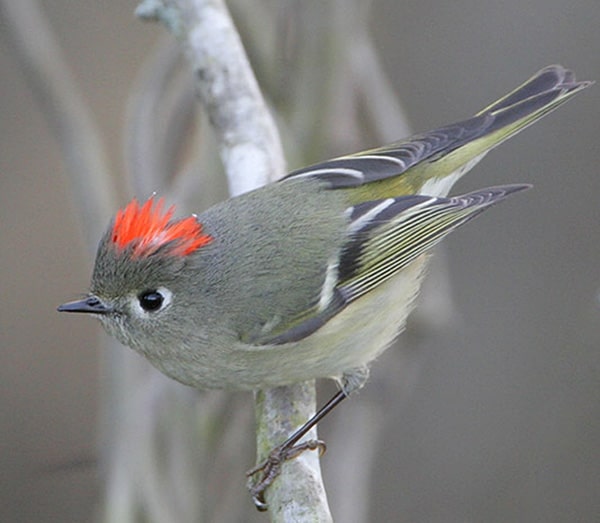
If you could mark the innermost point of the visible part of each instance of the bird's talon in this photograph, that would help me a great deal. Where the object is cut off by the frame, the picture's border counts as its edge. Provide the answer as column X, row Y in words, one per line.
column 259, row 502
column 271, row 468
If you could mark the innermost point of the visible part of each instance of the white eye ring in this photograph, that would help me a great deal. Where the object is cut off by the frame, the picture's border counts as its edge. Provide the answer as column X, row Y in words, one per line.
column 151, row 301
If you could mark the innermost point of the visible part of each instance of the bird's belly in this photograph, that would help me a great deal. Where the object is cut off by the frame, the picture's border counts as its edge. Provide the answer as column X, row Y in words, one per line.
column 350, row 340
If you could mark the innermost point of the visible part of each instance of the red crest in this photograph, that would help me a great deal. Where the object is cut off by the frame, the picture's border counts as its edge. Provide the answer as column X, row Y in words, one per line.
column 147, row 228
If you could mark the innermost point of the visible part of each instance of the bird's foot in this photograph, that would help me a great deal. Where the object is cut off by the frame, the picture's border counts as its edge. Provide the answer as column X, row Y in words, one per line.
column 271, row 468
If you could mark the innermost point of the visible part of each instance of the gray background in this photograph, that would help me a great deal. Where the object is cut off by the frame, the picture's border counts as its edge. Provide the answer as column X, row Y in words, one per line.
column 502, row 422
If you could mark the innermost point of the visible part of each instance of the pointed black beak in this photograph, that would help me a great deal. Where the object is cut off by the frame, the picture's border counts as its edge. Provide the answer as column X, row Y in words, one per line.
column 91, row 304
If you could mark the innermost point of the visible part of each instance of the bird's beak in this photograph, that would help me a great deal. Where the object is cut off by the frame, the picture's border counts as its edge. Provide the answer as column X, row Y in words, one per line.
column 91, row 304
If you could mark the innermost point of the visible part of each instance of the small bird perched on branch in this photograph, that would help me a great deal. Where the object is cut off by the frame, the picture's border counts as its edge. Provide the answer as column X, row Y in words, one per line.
column 309, row 277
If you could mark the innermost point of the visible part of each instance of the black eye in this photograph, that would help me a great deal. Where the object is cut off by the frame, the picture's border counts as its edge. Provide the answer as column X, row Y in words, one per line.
column 151, row 300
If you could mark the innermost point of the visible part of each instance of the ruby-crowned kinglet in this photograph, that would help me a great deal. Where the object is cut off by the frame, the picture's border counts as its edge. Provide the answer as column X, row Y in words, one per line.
column 309, row 277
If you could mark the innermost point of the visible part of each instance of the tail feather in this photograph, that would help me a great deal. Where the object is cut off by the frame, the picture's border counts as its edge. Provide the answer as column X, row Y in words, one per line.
column 551, row 78
column 430, row 163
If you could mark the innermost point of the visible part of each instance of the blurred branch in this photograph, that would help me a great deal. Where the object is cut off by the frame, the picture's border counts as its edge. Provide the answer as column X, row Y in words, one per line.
column 67, row 114
column 252, row 156
column 382, row 104
column 160, row 113
column 42, row 62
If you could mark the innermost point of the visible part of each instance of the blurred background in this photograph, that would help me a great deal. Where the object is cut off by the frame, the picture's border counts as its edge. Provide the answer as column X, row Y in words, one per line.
column 498, row 416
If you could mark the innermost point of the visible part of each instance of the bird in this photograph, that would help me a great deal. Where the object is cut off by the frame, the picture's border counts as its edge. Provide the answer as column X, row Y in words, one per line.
column 311, row 276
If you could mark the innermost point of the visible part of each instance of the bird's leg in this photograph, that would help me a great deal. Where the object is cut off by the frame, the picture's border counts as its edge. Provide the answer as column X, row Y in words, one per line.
column 289, row 449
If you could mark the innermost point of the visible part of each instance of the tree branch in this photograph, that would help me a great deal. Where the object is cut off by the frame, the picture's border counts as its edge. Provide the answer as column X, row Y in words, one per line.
column 246, row 134
column 252, row 155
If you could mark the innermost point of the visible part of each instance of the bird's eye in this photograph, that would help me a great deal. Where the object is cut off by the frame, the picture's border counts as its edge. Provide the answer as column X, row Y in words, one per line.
column 151, row 300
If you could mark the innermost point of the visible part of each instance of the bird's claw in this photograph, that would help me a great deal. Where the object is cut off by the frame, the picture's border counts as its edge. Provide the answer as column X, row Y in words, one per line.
column 271, row 468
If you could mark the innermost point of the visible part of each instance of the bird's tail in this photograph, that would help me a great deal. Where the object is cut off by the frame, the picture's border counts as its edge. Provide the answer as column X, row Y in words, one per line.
column 430, row 163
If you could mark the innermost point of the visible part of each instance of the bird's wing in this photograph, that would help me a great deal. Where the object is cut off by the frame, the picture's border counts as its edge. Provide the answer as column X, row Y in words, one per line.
column 383, row 238
column 402, row 230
